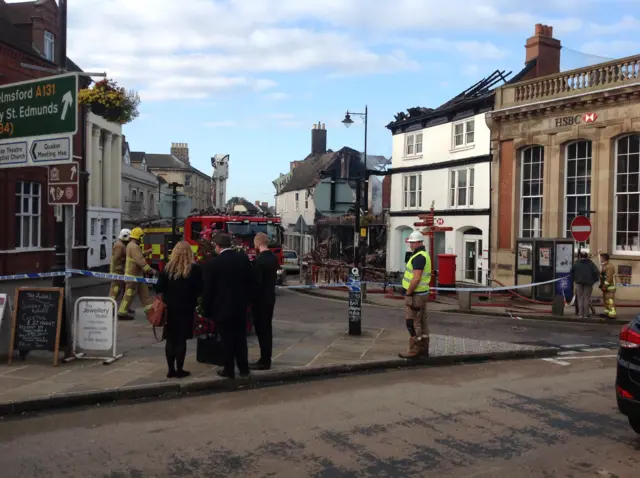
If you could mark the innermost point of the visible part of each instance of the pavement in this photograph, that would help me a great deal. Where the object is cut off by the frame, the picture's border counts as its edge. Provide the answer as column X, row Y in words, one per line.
column 525, row 419
column 484, row 305
column 311, row 340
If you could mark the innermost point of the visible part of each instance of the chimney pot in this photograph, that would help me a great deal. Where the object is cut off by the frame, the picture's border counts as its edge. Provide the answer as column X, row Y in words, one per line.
column 539, row 29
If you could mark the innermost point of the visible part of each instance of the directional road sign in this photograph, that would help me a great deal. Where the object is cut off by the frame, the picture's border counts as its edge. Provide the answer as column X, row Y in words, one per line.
column 37, row 110
column 581, row 228
column 62, row 184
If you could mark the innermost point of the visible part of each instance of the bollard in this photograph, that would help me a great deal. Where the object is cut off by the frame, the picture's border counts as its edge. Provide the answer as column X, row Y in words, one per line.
column 464, row 300
column 557, row 306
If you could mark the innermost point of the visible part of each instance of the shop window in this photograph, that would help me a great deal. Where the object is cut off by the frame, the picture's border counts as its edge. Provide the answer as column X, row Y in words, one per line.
column 627, row 194
column 27, row 219
column 578, row 182
column 532, row 174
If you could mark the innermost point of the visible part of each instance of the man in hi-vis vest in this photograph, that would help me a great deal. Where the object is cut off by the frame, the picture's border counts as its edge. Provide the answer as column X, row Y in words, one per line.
column 416, row 289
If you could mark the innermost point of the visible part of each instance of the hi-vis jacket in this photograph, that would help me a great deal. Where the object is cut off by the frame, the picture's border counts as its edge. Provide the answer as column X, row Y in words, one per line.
column 118, row 258
column 135, row 265
column 423, row 286
column 607, row 280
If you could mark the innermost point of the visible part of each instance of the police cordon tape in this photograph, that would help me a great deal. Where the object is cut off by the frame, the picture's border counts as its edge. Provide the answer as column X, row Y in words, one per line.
column 143, row 280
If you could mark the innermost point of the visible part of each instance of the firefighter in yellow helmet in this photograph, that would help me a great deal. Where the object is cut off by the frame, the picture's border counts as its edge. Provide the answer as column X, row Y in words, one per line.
column 118, row 257
column 608, row 285
column 415, row 283
column 135, row 266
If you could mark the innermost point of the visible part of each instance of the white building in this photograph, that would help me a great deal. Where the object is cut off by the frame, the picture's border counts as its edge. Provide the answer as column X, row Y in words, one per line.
column 140, row 188
column 104, row 164
column 442, row 157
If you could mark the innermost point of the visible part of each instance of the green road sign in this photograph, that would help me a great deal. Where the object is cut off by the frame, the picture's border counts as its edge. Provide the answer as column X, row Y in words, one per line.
column 44, row 107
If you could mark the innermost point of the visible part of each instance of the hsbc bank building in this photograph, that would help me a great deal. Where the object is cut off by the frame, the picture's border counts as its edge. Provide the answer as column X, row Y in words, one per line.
column 567, row 144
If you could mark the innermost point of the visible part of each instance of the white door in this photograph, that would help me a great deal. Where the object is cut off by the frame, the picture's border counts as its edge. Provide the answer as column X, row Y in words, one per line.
column 473, row 259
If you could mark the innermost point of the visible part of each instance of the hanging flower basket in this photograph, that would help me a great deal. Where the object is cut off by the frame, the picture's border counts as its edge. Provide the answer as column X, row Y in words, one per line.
column 111, row 102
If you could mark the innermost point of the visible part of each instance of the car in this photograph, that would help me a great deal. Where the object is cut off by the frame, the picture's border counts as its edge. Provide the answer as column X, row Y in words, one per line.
column 291, row 261
column 628, row 373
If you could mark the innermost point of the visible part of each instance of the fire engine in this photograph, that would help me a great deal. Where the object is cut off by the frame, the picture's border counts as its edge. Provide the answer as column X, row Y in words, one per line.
column 242, row 225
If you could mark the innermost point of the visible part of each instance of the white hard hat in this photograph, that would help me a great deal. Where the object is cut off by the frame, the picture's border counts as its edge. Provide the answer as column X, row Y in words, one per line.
column 416, row 236
column 125, row 234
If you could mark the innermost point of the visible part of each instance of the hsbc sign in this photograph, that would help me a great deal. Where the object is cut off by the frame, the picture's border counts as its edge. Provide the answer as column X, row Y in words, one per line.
column 575, row 120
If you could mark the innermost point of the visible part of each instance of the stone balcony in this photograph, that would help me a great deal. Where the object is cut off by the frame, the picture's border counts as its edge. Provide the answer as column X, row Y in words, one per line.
column 582, row 81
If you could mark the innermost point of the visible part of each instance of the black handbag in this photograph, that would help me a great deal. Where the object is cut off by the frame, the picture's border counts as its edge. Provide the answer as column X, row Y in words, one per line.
column 209, row 349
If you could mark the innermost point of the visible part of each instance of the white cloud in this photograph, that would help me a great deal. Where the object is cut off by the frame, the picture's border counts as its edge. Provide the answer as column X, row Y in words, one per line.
column 626, row 24
column 277, row 96
column 481, row 50
column 221, row 124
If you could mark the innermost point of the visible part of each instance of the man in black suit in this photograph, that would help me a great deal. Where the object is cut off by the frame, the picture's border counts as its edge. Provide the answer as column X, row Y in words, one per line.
column 228, row 284
column 265, row 273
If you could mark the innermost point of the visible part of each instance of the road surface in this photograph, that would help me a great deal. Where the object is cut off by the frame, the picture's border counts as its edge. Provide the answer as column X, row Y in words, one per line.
column 508, row 419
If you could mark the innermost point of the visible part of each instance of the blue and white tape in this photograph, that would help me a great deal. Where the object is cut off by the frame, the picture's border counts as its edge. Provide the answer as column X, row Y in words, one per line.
column 143, row 280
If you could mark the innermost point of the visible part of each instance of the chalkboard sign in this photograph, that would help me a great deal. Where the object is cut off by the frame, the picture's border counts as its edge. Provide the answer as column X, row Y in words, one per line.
column 37, row 318
column 355, row 302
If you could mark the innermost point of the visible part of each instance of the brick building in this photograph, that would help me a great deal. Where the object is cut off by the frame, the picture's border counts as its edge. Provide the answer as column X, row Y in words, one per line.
column 28, row 34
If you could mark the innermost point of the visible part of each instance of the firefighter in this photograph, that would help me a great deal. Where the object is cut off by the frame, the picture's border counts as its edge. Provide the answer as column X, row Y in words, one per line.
column 608, row 285
column 118, row 257
column 135, row 266
column 416, row 288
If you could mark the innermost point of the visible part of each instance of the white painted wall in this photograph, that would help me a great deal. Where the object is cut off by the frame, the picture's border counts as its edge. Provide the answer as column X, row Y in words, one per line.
column 437, row 147
column 286, row 209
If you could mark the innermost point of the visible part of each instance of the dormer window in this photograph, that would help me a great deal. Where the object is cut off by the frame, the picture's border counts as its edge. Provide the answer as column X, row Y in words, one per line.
column 49, row 46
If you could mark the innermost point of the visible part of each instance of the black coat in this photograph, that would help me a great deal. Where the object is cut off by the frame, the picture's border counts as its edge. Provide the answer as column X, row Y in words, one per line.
column 228, row 287
column 585, row 272
column 181, row 298
column 265, row 274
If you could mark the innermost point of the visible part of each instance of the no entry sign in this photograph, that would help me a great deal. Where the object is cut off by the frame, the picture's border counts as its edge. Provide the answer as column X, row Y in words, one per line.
column 581, row 228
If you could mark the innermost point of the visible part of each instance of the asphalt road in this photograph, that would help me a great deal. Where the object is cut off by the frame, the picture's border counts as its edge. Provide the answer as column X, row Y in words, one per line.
column 297, row 307
column 509, row 419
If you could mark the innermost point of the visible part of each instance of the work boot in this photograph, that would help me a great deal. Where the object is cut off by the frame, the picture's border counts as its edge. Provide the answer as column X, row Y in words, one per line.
column 412, row 352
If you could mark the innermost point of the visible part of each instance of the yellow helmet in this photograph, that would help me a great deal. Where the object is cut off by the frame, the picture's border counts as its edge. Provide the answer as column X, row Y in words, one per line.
column 137, row 234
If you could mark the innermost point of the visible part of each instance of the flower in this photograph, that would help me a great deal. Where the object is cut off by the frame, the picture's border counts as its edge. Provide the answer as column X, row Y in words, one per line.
column 111, row 101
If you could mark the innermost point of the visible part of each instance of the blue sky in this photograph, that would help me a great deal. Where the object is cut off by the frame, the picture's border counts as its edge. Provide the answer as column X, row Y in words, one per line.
column 250, row 77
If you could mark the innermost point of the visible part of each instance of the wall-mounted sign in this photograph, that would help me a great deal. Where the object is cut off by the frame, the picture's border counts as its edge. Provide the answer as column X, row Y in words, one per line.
column 575, row 119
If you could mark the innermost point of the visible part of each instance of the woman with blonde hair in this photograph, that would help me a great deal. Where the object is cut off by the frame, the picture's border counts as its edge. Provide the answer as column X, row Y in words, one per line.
column 180, row 284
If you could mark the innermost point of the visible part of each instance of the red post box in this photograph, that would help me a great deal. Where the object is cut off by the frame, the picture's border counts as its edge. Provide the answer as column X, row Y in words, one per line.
column 446, row 271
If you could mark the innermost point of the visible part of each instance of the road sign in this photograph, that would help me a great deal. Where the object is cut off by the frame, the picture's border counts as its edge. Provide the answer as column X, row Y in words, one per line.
column 581, row 228
column 32, row 111
column 62, row 184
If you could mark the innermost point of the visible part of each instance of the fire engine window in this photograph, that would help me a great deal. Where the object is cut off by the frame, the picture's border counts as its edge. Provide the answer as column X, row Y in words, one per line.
column 196, row 230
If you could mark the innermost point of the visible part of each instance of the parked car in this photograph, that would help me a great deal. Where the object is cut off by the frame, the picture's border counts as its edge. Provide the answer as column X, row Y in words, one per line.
column 628, row 373
column 291, row 261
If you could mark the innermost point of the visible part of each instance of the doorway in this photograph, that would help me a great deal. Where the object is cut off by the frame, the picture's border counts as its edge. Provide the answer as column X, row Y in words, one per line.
column 473, row 256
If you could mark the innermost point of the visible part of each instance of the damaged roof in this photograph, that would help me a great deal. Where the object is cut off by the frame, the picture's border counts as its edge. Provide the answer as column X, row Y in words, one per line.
column 307, row 173
column 479, row 96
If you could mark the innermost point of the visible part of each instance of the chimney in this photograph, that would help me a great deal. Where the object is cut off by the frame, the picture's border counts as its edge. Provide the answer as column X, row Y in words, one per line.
column 180, row 151
column 293, row 165
column 318, row 139
column 265, row 205
column 545, row 49
column 258, row 203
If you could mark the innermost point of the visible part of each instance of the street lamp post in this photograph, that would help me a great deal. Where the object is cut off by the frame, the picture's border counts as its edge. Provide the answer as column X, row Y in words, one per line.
column 347, row 121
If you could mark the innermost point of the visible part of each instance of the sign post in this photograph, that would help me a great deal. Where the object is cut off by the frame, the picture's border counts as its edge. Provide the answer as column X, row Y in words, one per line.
column 63, row 184
column 355, row 302
column 38, row 119
column 95, row 330
column 5, row 324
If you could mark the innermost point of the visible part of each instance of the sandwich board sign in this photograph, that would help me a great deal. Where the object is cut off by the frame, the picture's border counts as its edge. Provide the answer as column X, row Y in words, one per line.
column 95, row 329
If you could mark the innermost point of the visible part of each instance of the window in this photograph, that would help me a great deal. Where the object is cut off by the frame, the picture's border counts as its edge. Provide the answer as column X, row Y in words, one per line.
column 151, row 204
column 297, row 204
column 578, row 182
column 49, row 46
column 413, row 144
column 628, row 194
column 141, row 199
column 461, row 186
column 532, row 174
column 114, row 228
column 134, row 195
column 187, row 180
column 412, row 191
column 27, row 232
column 463, row 133
column 94, row 225
column 306, row 200
column 104, row 223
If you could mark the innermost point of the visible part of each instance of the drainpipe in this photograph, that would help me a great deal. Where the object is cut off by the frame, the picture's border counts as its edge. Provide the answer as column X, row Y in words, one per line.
column 490, row 212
